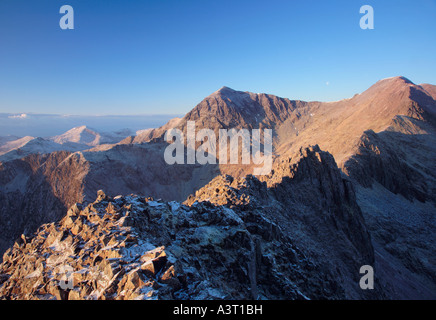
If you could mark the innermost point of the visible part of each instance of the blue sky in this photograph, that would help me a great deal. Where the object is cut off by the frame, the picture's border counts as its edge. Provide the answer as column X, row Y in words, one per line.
column 163, row 57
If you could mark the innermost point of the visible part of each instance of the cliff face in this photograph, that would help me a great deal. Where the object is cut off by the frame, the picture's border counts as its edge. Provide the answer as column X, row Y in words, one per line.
column 227, row 108
column 39, row 188
column 235, row 239
column 35, row 190
column 307, row 191
column 395, row 177
column 335, row 126
column 377, row 208
column 399, row 158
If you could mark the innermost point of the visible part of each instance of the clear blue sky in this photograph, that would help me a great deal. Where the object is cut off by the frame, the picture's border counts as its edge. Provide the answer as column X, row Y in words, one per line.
column 162, row 56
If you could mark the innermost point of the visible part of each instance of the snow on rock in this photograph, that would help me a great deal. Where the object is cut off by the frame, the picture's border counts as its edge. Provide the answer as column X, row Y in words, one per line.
column 131, row 247
column 87, row 136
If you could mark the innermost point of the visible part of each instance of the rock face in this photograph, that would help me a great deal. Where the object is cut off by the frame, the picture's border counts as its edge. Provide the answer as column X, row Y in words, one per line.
column 28, row 145
column 257, row 241
column 399, row 158
column 430, row 89
column 377, row 161
column 395, row 173
column 335, row 126
column 298, row 187
column 37, row 189
column 227, row 108
column 368, row 198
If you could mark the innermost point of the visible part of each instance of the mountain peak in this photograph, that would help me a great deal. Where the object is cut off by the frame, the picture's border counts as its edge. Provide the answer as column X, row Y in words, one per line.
column 80, row 129
column 400, row 79
column 225, row 91
column 81, row 134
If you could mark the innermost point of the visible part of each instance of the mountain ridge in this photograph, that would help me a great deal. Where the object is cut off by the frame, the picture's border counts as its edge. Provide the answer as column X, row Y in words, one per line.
column 240, row 248
column 383, row 141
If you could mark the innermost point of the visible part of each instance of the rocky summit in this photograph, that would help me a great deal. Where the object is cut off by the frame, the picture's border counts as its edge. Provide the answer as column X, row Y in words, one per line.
column 234, row 239
column 353, row 183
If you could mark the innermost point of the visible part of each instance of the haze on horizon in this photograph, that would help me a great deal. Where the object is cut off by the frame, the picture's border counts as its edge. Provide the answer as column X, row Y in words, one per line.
column 47, row 125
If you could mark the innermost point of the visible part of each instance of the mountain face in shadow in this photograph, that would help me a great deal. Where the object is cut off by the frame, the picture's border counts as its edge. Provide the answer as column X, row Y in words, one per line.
column 268, row 242
column 359, row 172
column 39, row 188
column 35, row 190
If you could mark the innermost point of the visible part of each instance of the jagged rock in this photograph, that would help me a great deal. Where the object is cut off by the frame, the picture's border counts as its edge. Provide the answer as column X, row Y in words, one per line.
column 170, row 277
column 241, row 245
column 74, row 295
column 101, row 196
column 152, row 254
column 377, row 161
column 383, row 136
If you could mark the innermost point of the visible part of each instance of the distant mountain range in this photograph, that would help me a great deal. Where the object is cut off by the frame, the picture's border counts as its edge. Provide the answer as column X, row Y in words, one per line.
column 48, row 125
column 353, row 182
column 76, row 139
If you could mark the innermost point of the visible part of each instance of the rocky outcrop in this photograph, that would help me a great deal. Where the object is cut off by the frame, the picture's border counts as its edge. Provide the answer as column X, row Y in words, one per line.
column 35, row 190
column 227, row 109
column 314, row 172
column 377, row 161
column 395, row 179
column 250, row 243
column 39, row 188
column 398, row 158
column 133, row 248
column 306, row 214
column 304, row 195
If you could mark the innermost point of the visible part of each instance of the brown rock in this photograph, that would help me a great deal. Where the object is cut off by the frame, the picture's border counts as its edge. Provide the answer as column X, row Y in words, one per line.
column 54, row 289
column 101, row 196
column 148, row 268
column 152, row 254
column 74, row 210
column 131, row 281
column 111, row 209
column 170, row 277
column 75, row 295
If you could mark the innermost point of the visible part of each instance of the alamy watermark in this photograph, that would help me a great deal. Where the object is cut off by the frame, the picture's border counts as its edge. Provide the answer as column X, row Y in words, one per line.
column 367, row 20
column 230, row 142
column 66, row 280
column 67, row 20
column 367, row 280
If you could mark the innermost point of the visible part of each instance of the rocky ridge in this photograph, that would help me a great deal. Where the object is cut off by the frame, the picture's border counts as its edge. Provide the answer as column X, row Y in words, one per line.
column 250, row 244
column 383, row 140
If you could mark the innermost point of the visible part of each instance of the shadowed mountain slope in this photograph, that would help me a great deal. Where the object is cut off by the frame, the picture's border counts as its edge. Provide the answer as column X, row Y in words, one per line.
column 383, row 141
